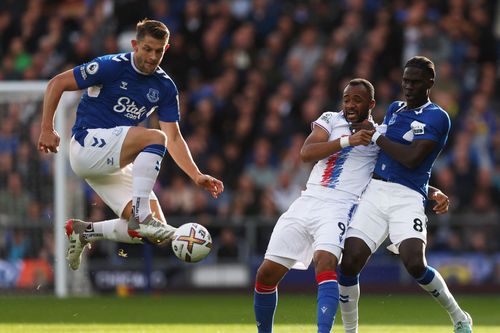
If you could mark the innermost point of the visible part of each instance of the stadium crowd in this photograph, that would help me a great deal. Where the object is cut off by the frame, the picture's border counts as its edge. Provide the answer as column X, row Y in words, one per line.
column 252, row 76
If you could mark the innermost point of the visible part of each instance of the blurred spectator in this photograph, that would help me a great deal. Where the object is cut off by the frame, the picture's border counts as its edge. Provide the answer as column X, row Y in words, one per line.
column 252, row 77
column 285, row 191
column 229, row 248
column 261, row 169
column 18, row 245
column 245, row 199
column 14, row 199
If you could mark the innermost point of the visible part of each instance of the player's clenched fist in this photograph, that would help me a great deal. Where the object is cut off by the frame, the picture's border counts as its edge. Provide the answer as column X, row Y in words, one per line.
column 48, row 141
column 362, row 137
column 365, row 124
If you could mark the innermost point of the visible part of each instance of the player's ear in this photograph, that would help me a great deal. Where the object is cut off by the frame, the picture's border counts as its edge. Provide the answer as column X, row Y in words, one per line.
column 134, row 44
column 372, row 104
column 431, row 82
column 167, row 47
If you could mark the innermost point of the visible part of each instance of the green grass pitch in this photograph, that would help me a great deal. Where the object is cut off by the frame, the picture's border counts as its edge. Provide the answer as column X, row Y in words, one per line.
column 215, row 313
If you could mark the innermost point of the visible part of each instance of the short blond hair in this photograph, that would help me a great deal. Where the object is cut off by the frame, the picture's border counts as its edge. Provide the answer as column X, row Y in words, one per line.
column 155, row 29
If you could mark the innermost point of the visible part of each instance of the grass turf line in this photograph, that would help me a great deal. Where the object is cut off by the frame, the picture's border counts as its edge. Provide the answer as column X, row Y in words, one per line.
column 230, row 313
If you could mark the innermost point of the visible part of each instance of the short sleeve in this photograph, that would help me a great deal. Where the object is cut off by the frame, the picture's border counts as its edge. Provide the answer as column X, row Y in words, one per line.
column 98, row 71
column 169, row 108
column 437, row 125
column 325, row 121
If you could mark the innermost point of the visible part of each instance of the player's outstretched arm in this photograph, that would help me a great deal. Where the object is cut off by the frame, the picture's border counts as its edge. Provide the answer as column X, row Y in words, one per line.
column 49, row 139
column 179, row 150
column 441, row 199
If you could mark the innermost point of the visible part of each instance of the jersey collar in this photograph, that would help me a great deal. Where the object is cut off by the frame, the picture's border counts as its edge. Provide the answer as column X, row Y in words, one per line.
column 417, row 109
column 133, row 64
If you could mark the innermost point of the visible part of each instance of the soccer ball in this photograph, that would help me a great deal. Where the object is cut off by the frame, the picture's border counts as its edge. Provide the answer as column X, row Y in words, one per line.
column 192, row 242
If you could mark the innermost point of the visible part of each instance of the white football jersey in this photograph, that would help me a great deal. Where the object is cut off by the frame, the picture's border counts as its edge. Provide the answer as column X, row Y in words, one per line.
column 348, row 170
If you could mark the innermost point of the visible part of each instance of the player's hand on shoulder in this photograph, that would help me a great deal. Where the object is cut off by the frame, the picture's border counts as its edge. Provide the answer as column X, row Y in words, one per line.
column 365, row 124
column 49, row 141
column 361, row 137
column 442, row 202
column 211, row 184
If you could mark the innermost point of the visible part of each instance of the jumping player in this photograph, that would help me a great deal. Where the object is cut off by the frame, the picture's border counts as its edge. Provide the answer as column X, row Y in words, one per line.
column 394, row 201
column 118, row 159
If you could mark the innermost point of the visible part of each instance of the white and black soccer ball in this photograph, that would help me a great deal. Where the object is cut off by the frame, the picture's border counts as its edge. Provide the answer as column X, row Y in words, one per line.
column 192, row 242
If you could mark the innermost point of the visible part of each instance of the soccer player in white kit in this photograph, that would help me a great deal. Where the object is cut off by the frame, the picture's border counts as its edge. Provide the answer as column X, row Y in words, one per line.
column 394, row 201
column 315, row 224
column 117, row 158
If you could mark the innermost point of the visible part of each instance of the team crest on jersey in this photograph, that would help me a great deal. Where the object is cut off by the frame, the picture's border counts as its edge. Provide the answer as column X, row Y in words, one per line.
column 393, row 119
column 153, row 95
column 417, row 128
column 92, row 68
column 326, row 117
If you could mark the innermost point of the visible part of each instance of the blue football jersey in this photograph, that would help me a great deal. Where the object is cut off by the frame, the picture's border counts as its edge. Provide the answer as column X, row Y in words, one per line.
column 427, row 122
column 118, row 94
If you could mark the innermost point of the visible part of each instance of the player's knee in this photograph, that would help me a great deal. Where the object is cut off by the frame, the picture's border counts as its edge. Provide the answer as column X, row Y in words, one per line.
column 157, row 137
column 415, row 267
column 264, row 274
column 347, row 266
column 325, row 261
column 267, row 275
column 352, row 263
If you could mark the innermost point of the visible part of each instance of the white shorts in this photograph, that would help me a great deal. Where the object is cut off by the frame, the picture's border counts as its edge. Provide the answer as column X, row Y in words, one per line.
column 98, row 162
column 388, row 209
column 309, row 225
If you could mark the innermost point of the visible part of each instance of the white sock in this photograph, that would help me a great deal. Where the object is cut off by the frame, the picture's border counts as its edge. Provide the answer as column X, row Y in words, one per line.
column 116, row 230
column 438, row 289
column 348, row 300
column 144, row 172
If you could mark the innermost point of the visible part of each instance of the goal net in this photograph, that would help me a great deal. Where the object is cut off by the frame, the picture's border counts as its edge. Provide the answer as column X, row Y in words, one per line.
column 37, row 192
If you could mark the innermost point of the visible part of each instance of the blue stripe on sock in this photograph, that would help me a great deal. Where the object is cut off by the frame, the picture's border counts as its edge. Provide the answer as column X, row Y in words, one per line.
column 264, row 307
column 348, row 281
column 427, row 277
column 159, row 150
column 328, row 302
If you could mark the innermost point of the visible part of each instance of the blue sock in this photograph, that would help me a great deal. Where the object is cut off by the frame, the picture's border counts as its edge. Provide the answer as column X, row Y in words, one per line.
column 328, row 300
column 427, row 277
column 264, row 304
column 348, row 281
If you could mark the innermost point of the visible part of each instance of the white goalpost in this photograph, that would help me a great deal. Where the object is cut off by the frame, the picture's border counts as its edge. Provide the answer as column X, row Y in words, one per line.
column 24, row 93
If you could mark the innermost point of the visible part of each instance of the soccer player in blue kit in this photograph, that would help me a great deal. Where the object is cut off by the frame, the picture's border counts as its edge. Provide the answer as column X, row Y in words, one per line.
column 393, row 203
column 117, row 158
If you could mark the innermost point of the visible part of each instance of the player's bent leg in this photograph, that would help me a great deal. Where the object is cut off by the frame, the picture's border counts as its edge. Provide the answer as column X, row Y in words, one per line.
column 356, row 254
column 328, row 289
column 136, row 140
column 81, row 233
column 268, row 276
column 146, row 148
column 412, row 253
